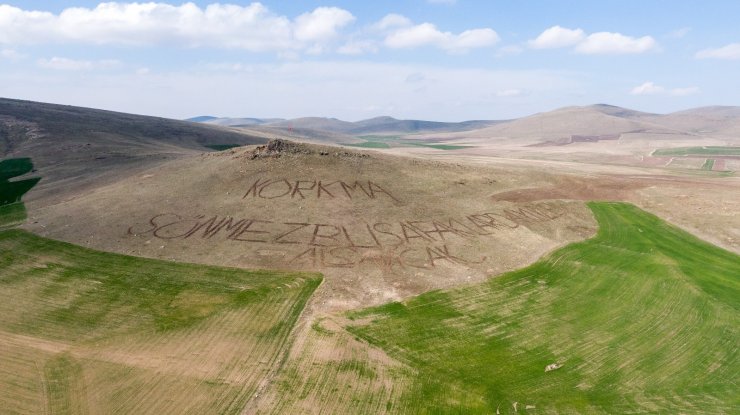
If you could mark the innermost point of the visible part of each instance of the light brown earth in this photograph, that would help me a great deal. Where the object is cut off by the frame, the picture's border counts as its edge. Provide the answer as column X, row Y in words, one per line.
column 379, row 227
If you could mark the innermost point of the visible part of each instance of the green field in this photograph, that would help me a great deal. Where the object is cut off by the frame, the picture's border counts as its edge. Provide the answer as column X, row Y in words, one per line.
column 12, row 214
column 373, row 137
column 708, row 165
column 437, row 146
column 12, row 210
column 83, row 331
column 369, row 144
column 385, row 141
column 642, row 318
column 10, row 168
column 222, row 147
column 698, row 151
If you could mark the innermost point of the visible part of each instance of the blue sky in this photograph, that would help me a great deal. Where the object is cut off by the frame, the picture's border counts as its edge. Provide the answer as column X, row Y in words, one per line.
column 441, row 60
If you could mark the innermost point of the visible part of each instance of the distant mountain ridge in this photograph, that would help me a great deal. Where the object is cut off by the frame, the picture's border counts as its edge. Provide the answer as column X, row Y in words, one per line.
column 597, row 119
column 377, row 125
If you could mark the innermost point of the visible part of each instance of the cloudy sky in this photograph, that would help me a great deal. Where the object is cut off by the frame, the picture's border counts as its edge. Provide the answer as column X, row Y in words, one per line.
column 444, row 60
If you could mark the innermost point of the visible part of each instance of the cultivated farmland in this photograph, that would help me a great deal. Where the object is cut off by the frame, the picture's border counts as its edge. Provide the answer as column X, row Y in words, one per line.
column 642, row 318
column 698, row 151
column 92, row 332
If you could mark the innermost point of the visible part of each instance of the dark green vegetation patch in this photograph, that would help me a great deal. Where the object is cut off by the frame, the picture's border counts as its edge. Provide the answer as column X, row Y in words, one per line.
column 642, row 318
column 698, row 151
column 222, row 147
column 12, row 191
column 12, row 210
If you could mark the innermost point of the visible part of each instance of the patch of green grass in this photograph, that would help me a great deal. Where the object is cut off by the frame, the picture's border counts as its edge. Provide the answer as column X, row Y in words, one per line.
column 698, row 151
column 113, row 311
column 360, row 367
column 369, row 144
column 12, row 214
column 65, row 388
column 318, row 328
column 222, row 147
column 12, row 192
column 437, row 146
column 85, row 291
column 15, row 167
column 380, row 137
column 708, row 165
column 644, row 317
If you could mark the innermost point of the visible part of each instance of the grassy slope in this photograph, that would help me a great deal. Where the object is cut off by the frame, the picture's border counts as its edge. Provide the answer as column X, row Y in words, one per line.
column 86, row 330
column 644, row 318
column 12, row 214
column 708, row 164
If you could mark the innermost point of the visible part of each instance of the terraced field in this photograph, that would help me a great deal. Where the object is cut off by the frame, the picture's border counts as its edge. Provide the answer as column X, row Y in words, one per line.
column 642, row 318
column 83, row 331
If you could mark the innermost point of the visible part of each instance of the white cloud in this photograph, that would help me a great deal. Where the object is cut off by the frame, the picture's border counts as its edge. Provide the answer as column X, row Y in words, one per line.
column 594, row 43
column 650, row 88
column 392, row 20
column 11, row 55
column 729, row 52
column 252, row 27
column 321, row 24
column 419, row 35
column 615, row 43
column 427, row 34
column 557, row 37
column 66, row 64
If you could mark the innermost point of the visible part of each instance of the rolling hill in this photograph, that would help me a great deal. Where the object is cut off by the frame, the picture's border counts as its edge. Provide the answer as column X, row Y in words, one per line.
column 77, row 147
